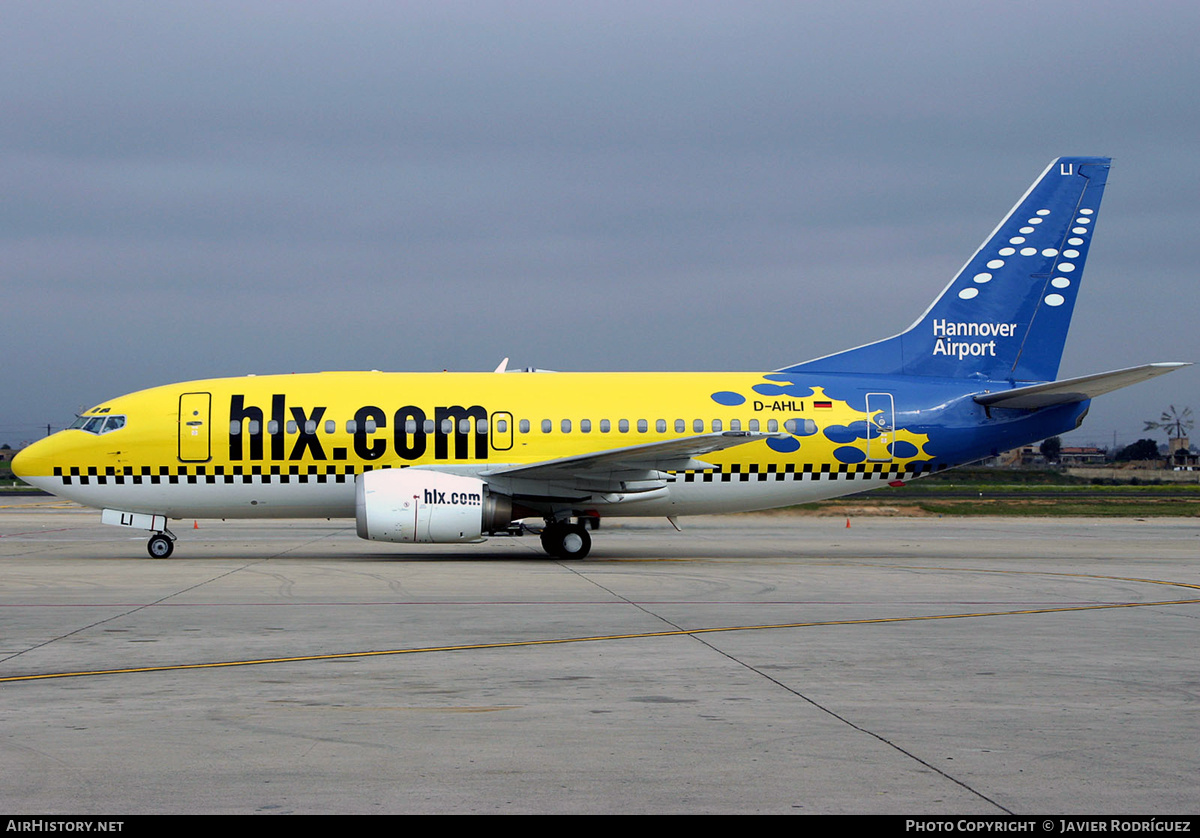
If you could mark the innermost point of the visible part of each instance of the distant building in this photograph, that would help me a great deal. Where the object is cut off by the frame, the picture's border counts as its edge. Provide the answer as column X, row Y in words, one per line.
column 1179, row 452
column 1026, row 455
column 1084, row 455
column 1031, row 455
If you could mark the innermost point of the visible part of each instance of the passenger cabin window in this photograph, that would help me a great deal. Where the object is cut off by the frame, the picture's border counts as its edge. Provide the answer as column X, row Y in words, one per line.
column 547, row 426
column 524, row 426
column 680, row 426
column 330, row 426
column 566, row 426
column 698, row 426
column 800, row 427
column 643, row 426
column 605, row 426
column 623, row 426
column 585, row 426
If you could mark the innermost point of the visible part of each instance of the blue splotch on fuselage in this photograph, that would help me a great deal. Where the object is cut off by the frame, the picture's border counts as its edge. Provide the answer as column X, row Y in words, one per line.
column 959, row 429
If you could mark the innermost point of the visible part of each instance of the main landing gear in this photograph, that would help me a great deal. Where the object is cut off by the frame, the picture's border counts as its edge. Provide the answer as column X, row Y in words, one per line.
column 161, row 545
column 565, row 540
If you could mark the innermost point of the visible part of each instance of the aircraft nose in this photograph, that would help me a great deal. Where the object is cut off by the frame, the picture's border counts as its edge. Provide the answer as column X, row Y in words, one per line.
column 32, row 462
column 18, row 464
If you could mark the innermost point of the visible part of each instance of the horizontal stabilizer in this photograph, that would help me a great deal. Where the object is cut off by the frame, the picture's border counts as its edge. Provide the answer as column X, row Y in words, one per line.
column 1072, row 390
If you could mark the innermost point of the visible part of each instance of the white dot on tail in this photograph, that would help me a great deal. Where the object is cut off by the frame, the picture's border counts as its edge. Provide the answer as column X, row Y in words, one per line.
column 1055, row 300
column 968, row 293
column 1060, row 282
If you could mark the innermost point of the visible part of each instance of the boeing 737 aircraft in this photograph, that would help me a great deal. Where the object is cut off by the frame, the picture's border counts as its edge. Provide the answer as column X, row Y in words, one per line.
column 448, row 457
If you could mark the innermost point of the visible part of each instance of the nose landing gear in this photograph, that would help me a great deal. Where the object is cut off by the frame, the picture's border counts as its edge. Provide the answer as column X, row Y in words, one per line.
column 161, row 545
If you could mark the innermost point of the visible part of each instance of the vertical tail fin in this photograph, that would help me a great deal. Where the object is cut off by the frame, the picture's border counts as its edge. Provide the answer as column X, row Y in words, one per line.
column 1005, row 315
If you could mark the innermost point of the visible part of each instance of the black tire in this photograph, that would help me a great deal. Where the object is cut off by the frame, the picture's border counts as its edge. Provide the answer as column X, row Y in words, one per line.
column 160, row 547
column 570, row 542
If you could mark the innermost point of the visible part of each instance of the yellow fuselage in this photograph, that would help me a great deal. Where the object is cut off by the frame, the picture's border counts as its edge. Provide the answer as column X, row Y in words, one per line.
column 273, row 446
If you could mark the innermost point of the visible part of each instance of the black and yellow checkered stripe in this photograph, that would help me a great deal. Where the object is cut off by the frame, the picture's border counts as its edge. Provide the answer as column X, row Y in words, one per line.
column 733, row 473
column 137, row 476
column 754, row 472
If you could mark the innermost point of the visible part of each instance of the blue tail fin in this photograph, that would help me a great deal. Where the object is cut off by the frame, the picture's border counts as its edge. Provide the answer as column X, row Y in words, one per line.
column 1005, row 315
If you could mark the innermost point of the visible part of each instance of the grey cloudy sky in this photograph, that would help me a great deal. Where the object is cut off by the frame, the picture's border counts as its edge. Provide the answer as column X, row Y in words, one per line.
column 203, row 189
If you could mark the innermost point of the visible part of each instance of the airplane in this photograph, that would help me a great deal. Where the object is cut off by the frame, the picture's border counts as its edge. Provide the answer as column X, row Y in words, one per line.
column 457, row 457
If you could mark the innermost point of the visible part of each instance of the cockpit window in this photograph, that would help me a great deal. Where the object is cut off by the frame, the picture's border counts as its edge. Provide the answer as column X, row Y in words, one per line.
column 99, row 424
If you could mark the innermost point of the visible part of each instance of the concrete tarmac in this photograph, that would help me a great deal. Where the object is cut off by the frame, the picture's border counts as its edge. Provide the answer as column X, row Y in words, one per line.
column 767, row 664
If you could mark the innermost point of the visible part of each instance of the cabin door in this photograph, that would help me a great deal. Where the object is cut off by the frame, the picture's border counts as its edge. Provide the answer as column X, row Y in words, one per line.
column 195, row 437
column 881, row 426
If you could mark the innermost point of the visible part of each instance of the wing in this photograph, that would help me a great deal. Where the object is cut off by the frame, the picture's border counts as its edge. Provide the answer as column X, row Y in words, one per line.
column 619, row 474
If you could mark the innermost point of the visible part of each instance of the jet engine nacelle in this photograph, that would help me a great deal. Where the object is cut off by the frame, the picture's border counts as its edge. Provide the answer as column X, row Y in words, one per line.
column 415, row 505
